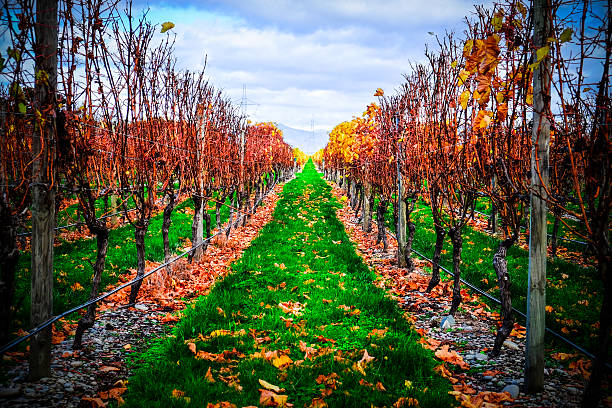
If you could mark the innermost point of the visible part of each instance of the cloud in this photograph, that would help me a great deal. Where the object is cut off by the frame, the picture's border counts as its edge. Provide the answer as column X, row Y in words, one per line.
column 301, row 61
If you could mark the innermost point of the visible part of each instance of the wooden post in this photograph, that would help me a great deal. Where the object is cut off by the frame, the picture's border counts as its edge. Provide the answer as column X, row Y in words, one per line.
column 536, row 294
column 493, row 208
column 43, row 187
column 197, row 225
column 401, row 207
column 367, row 213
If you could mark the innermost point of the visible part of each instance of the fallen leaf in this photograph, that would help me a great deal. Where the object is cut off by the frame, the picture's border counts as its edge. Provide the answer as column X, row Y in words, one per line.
column 269, row 398
column 192, row 347
column 208, row 376
column 406, row 402
column 451, row 357
column 269, row 386
column 318, row 403
column 106, row 369
column 282, row 361
column 366, row 357
column 225, row 404
column 94, row 402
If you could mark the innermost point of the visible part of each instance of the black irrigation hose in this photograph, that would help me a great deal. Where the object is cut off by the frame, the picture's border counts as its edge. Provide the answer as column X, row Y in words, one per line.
column 53, row 319
column 494, row 299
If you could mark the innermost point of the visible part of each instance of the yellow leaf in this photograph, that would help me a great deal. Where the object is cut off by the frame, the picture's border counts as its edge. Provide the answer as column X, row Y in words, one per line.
column 467, row 48
column 220, row 332
column 497, row 22
column 379, row 92
column 167, row 26
column 269, row 386
column 464, row 98
column 454, row 64
column 542, row 52
column 463, row 76
column 282, row 361
column 499, row 96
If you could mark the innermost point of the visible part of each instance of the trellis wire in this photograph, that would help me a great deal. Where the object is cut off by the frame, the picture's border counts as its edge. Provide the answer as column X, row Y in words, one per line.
column 494, row 299
column 53, row 319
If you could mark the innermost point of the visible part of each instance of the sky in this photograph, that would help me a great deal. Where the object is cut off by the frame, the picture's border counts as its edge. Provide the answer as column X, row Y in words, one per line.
column 304, row 61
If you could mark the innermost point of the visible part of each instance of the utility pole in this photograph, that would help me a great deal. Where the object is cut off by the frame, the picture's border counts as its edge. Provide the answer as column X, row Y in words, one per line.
column 536, row 294
column 43, row 182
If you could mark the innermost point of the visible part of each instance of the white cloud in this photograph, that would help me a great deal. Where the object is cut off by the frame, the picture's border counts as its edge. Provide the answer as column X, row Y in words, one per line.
column 306, row 60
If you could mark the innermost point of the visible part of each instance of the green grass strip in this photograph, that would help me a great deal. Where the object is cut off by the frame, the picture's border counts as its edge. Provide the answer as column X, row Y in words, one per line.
column 302, row 261
column 73, row 261
column 572, row 291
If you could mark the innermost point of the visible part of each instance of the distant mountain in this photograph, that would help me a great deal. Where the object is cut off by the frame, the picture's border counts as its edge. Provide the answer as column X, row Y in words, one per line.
column 304, row 139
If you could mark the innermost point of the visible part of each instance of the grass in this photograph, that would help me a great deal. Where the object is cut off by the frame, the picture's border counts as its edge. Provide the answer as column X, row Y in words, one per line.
column 303, row 261
column 73, row 262
column 483, row 204
column 572, row 291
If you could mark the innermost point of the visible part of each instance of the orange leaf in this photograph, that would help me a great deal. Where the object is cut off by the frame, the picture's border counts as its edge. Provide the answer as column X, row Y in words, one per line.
column 208, row 376
column 406, row 402
column 562, row 356
column 95, row 402
column 452, row 357
column 269, row 398
column 318, row 403
column 192, row 347
column 224, row 404
column 177, row 393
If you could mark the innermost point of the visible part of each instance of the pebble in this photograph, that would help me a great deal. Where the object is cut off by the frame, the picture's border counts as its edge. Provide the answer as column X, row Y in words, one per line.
column 513, row 389
column 511, row 345
column 481, row 357
column 447, row 322
column 73, row 378
column 488, row 377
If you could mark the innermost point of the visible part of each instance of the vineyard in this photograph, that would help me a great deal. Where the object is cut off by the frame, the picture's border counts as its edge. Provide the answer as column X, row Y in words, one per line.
column 448, row 247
